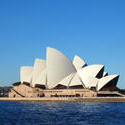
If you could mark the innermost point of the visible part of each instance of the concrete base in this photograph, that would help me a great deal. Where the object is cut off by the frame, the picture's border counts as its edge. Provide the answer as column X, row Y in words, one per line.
column 23, row 90
column 71, row 99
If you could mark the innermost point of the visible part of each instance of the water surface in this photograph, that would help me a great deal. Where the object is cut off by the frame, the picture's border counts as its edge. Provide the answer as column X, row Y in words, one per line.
column 61, row 113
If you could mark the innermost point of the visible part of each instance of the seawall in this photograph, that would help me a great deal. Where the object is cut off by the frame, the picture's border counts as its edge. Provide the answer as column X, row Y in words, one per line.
column 70, row 99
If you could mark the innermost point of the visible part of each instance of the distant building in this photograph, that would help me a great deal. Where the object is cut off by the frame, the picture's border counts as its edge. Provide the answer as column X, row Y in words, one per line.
column 58, row 76
column 4, row 91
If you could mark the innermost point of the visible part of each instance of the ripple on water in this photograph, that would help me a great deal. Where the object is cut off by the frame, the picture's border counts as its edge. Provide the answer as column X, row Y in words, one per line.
column 61, row 113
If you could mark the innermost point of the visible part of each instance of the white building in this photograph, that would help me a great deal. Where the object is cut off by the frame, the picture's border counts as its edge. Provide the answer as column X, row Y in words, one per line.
column 57, row 71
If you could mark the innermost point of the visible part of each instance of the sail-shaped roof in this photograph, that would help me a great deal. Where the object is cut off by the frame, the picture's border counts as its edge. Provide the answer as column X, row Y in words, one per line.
column 42, row 78
column 66, row 81
column 107, row 79
column 26, row 74
column 78, row 62
column 58, row 71
column 76, row 81
column 93, row 82
column 90, row 71
column 105, row 74
column 39, row 66
column 58, row 67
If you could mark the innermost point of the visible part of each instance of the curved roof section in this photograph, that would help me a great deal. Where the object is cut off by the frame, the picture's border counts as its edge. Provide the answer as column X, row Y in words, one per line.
column 26, row 74
column 105, row 74
column 66, row 81
column 58, row 67
column 76, row 81
column 90, row 71
column 41, row 79
column 107, row 79
column 39, row 66
column 78, row 62
column 93, row 82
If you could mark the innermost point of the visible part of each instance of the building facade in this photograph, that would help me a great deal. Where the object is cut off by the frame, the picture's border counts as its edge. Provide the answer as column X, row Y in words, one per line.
column 57, row 76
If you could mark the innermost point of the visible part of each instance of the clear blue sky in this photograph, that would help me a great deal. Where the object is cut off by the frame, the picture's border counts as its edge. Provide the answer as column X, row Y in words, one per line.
column 92, row 29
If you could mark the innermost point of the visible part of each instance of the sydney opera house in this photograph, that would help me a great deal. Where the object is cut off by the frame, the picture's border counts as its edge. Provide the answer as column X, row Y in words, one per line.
column 57, row 76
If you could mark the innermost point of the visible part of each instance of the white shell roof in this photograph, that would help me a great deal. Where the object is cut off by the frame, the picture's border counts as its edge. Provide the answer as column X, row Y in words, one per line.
column 39, row 66
column 105, row 74
column 105, row 80
column 78, row 62
column 76, row 81
column 58, row 67
column 41, row 79
column 89, row 71
column 26, row 74
column 93, row 82
column 66, row 81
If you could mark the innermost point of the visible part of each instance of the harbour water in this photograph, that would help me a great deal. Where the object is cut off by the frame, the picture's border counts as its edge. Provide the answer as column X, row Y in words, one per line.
column 61, row 113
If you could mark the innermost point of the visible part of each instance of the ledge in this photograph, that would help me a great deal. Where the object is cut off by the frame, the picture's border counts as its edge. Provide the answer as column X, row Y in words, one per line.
column 70, row 99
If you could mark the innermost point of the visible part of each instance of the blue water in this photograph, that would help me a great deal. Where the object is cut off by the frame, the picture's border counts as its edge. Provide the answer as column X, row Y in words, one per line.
column 61, row 113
